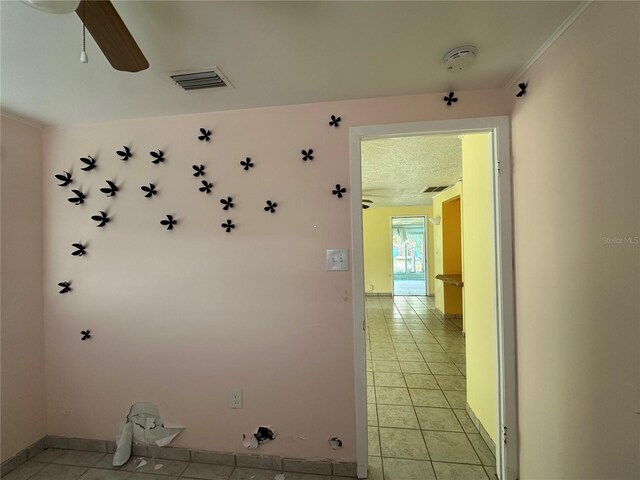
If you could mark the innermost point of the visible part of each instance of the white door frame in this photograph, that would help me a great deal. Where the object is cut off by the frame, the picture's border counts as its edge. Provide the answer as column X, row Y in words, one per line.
column 507, row 451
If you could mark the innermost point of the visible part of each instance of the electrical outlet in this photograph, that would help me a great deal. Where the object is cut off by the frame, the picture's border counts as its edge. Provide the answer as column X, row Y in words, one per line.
column 337, row 259
column 235, row 398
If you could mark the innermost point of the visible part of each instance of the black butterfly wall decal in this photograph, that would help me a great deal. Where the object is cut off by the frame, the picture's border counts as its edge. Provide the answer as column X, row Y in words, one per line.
column 199, row 170
column 66, row 287
column 158, row 157
column 206, row 187
column 247, row 164
column 228, row 203
column 90, row 163
column 307, row 154
column 80, row 249
column 125, row 153
column 271, row 206
column 523, row 89
column 339, row 190
column 335, row 121
column 205, row 134
column 65, row 178
column 169, row 222
column 102, row 218
column 86, row 334
column 78, row 199
column 228, row 225
column 111, row 190
column 150, row 190
column 450, row 99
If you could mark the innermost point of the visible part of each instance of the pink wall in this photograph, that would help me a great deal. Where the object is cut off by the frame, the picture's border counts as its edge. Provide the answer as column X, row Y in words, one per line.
column 180, row 317
column 22, row 332
column 576, row 170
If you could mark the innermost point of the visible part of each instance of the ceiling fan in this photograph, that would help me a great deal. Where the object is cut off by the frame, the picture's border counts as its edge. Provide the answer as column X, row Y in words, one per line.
column 105, row 26
column 365, row 203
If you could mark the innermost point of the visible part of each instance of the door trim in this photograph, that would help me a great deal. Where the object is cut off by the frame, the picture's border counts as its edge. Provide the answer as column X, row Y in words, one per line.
column 507, row 448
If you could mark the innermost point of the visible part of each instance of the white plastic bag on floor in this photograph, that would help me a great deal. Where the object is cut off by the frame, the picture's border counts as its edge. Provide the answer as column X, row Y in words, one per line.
column 143, row 425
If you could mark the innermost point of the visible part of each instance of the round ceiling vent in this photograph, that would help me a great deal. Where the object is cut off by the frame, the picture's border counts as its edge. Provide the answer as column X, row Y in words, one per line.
column 460, row 58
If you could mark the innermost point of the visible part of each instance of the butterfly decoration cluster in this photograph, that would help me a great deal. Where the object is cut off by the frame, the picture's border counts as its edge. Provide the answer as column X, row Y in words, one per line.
column 89, row 163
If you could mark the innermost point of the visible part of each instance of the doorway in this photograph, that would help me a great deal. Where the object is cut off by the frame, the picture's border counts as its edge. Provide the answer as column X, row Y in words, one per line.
column 412, row 314
column 408, row 243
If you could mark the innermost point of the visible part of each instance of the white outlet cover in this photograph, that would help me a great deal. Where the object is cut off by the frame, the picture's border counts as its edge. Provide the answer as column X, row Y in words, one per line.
column 338, row 260
column 235, row 398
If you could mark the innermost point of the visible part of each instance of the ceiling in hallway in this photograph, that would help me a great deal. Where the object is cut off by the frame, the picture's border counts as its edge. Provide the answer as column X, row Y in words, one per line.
column 396, row 170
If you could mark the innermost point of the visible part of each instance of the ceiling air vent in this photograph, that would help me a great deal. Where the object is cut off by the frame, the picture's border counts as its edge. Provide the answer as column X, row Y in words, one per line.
column 434, row 189
column 207, row 78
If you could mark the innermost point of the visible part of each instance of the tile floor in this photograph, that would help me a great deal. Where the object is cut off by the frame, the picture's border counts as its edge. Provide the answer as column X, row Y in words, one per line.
column 409, row 287
column 55, row 464
column 416, row 395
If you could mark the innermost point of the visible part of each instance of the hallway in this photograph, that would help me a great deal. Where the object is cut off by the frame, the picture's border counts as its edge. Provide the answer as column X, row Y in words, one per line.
column 416, row 396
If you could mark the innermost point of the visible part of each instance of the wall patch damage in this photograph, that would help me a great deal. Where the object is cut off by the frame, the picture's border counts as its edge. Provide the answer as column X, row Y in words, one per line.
column 143, row 425
column 262, row 435
column 335, row 443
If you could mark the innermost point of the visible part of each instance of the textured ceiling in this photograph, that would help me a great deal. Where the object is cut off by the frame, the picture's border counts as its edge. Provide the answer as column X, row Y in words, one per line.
column 274, row 53
column 395, row 170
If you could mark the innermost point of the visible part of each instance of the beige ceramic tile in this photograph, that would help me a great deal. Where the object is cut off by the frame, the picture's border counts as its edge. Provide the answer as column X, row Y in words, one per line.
column 24, row 471
column 404, row 469
column 442, row 419
column 79, row 458
column 452, row 382
column 450, row 447
column 433, row 357
column 403, row 443
column 371, row 394
column 465, row 420
column 431, row 348
column 419, row 380
column 410, row 356
column 389, row 379
column 399, row 416
column 207, row 471
column 100, row 474
column 456, row 399
column 373, row 440
column 59, row 472
column 375, row 469
column 414, row 367
column 386, row 366
column 385, row 355
column 370, row 378
column 443, row 368
column 372, row 415
column 487, row 457
column 452, row 471
column 392, row 396
column 428, row 398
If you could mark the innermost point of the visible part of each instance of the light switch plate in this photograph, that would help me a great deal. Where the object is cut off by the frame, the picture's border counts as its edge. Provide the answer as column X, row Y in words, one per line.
column 338, row 260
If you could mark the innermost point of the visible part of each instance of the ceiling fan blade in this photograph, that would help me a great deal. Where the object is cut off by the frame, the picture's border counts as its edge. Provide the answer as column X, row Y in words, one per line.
column 112, row 36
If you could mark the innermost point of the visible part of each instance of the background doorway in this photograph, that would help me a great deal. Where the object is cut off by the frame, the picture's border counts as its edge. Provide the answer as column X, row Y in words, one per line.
column 408, row 244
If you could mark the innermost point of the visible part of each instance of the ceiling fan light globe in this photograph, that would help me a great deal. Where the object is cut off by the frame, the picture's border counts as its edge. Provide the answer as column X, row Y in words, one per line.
column 53, row 6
